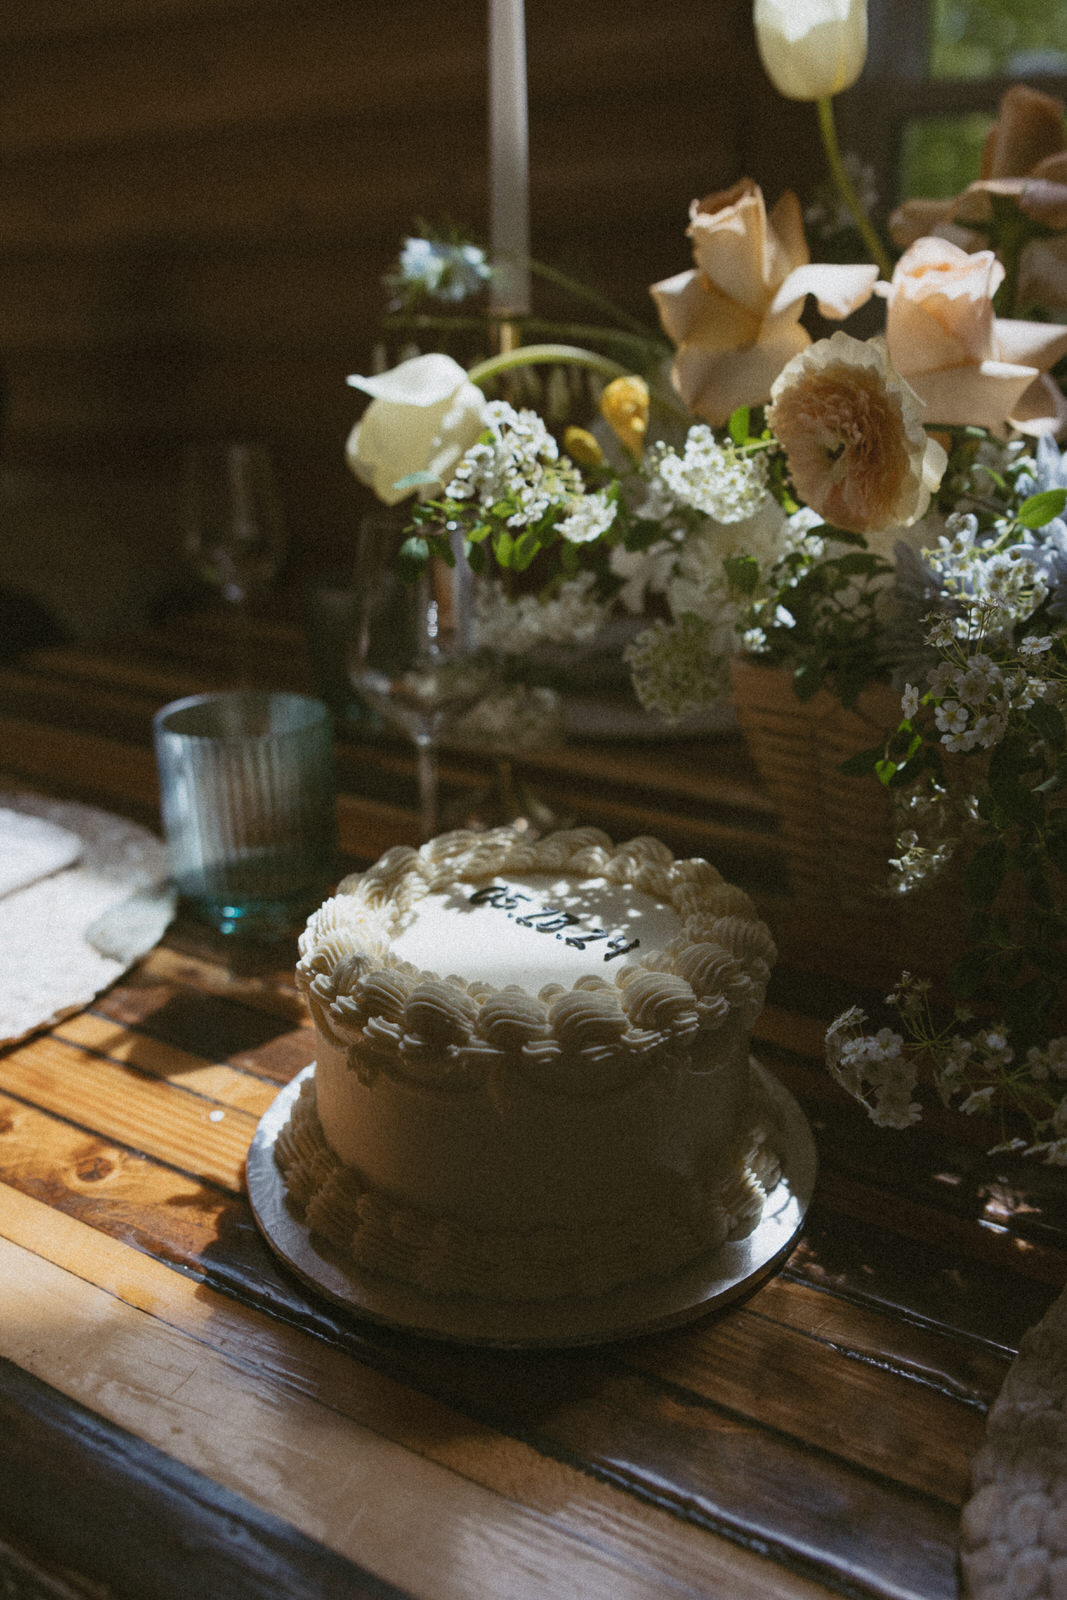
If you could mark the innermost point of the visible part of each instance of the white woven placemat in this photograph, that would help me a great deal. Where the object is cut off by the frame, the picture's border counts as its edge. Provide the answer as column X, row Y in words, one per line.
column 1013, row 1537
column 72, row 920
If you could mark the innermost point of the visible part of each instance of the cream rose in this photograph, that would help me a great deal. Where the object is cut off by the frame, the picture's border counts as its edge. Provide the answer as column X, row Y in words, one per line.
column 966, row 364
column 811, row 49
column 735, row 318
column 853, row 436
column 423, row 416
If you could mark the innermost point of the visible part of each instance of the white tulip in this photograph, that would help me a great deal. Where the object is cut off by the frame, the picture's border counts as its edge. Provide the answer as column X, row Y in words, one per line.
column 423, row 417
column 811, row 49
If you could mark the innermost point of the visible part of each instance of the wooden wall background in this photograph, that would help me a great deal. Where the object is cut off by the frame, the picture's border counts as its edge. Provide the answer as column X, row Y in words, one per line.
column 198, row 199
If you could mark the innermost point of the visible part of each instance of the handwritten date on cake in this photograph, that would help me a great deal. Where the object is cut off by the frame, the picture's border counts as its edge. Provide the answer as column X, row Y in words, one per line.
column 551, row 919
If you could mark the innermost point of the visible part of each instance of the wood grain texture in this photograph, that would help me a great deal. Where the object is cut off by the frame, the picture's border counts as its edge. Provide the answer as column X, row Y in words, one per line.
column 812, row 1441
column 511, row 1467
column 62, row 1471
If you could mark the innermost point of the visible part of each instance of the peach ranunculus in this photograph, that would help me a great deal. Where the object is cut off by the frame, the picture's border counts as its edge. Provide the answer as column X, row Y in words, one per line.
column 1025, row 160
column 965, row 363
column 735, row 317
column 853, row 437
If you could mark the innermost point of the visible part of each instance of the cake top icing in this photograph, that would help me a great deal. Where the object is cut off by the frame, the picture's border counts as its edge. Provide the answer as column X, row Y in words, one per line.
column 484, row 948
column 533, row 929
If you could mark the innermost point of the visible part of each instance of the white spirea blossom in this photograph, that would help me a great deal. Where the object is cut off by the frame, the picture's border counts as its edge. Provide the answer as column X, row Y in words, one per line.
column 592, row 516
column 643, row 572
column 520, row 461
column 874, row 1068
column 514, row 627
column 711, row 477
column 1001, row 587
column 680, row 667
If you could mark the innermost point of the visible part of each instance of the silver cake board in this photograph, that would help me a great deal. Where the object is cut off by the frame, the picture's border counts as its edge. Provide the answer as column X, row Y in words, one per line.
column 707, row 1284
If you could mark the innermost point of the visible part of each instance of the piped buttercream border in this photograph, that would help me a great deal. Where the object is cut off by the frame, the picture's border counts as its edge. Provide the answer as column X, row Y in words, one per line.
column 444, row 1028
column 439, row 1255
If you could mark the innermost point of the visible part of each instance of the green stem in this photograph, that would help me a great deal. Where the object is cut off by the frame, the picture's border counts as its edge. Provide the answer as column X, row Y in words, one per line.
column 529, row 355
column 1012, row 234
column 645, row 344
column 846, row 189
column 581, row 291
column 567, row 355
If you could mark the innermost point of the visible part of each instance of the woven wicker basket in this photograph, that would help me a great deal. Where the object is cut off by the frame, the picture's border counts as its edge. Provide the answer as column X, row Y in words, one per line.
column 838, row 830
column 839, row 833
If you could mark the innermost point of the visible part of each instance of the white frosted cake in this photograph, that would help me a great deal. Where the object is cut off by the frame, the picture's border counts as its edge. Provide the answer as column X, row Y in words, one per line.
column 532, row 1075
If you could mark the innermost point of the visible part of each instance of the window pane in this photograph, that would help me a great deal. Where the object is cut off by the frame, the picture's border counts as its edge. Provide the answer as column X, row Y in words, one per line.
column 992, row 38
column 941, row 155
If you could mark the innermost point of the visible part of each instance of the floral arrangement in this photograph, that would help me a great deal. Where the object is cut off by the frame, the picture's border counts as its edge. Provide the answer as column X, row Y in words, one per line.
column 888, row 508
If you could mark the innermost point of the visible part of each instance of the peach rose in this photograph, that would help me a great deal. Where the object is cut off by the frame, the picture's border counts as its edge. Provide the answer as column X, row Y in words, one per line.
column 735, row 318
column 1024, row 159
column 966, row 364
column 853, row 436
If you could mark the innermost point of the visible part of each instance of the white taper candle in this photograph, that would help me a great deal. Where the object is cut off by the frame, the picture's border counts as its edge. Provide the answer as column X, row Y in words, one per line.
column 509, row 160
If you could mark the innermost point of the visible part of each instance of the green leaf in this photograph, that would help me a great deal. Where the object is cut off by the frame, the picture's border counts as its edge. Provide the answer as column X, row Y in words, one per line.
column 970, row 971
column 742, row 573
column 841, row 535
column 808, row 679
column 526, row 548
column 412, row 557
column 739, row 425
column 1027, row 1008
column 1017, row 803
column 416, row 480
column 863, row 763
column 984, row 872
column 1047, row 721
column 1041, row 508
column 1039, row 888
column 860, row 563
column 1056, row 848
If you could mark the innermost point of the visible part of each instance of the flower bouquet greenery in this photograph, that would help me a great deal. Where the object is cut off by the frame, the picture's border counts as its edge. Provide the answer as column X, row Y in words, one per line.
column 889, row 509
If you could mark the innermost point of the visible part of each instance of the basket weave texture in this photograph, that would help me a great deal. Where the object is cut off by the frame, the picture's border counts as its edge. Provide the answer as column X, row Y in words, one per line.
column 838, row 830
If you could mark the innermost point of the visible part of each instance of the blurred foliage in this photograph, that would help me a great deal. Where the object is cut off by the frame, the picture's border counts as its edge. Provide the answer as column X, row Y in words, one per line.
column 940, row 156
column 997, row 38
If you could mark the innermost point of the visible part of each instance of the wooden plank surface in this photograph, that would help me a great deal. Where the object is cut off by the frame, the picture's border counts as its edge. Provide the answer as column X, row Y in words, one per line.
column 812, row 1441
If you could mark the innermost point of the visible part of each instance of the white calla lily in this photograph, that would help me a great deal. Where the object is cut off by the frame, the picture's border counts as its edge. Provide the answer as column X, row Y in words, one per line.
column 423, row 417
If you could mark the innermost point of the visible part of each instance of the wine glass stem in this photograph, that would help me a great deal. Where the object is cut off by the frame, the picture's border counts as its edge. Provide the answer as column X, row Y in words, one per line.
column 426, row 758
column 241, row 642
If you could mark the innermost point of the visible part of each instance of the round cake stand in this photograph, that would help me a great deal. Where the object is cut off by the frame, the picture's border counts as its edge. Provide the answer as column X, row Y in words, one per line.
column 726, row 1274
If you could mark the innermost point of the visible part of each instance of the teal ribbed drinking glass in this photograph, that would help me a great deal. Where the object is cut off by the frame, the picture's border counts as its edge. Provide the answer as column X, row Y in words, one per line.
column 247, row 796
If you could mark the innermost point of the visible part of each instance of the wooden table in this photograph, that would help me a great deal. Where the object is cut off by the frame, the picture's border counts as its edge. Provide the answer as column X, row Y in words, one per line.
column 179, row 1417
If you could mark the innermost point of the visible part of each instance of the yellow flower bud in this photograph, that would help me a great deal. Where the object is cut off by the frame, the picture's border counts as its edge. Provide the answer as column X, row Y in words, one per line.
column 582, row 447
column 624, row 405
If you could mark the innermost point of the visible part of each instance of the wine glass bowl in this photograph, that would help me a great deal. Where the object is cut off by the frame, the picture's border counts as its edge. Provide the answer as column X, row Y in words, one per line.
column 235, row 535
column 413, row 652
